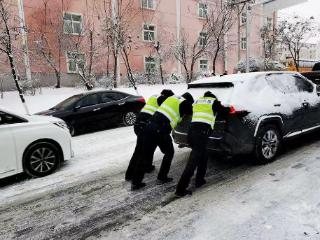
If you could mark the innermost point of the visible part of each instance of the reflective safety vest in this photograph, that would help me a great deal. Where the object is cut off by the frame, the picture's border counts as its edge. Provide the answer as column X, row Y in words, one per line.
column 171, row 109
column 202, row 111
column 151, row 105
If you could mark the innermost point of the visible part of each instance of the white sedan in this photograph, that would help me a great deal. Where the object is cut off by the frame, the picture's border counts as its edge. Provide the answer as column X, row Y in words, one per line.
column 32, row 144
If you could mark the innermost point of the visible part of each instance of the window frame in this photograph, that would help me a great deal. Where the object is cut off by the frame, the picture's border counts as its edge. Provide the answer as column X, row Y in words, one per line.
column 148, row 7
column 242, row 41
column 145, row 64
column 202, row 12
column 69, row 60
column 201, row 39
column 71, row 21
column 147, row 30
column 243, row 18
column 207, row 65
column 269, row 23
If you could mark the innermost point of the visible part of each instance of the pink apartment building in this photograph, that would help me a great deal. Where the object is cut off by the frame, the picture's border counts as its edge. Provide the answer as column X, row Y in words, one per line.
column 151, row 21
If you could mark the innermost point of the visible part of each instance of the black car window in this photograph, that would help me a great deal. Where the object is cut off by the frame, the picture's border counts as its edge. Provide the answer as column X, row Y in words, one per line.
column 68, row 103
column 6, row 118
column 115, row 96
column 90, row 100
column 303, row 85
column 284, row 83
column 105, row 98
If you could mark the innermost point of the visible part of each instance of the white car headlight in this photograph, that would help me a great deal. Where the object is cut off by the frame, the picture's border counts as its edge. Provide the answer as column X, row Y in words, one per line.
column 62, row 125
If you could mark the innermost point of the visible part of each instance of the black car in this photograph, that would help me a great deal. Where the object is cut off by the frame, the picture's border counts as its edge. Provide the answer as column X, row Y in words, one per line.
column 266, row 108
column 97, row 109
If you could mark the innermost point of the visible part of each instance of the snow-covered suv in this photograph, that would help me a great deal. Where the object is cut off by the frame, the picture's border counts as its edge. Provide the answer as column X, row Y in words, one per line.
column 266, row 108
column 32, row 144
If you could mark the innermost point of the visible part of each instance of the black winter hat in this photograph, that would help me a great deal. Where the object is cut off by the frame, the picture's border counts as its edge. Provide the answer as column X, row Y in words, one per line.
column 209, row 94
column 188, row 97
column 167, row 92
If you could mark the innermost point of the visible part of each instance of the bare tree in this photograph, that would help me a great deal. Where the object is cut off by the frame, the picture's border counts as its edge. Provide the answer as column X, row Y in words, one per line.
column 48, row 38
column 187, row 52
column 118, row 29
column 221, row 18
column 294, row 34
column 270, row 40
column 114, row 29
column 84, row 52
column 7, row 35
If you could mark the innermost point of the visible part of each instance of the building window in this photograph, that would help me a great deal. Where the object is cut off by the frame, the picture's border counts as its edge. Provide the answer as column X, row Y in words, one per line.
column 202, row 10
column 149, row 64
column 203, row 65
column 75, row 61
column 72, row 23
column 148, row 4
column 203, row 39
column 243, row 17
column 149, row 32
column 269, row 23
column 243, row 42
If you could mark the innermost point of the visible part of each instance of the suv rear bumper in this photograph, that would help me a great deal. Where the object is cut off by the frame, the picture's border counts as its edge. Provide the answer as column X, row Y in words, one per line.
column 221, row 142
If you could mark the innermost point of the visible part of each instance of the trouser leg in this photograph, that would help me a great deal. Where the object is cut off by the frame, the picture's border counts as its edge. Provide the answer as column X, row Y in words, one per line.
column 202, row 167
column 188, row 172
column 135, row 156
column 149, row 145
column 202, row 158
column 198, row 141
column 166, row 146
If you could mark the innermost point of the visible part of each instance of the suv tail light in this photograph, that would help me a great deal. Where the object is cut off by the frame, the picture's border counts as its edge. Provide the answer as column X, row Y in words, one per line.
column 234, row 111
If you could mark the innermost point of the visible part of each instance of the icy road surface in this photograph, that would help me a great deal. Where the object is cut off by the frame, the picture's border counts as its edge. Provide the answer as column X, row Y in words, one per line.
column 89, row 199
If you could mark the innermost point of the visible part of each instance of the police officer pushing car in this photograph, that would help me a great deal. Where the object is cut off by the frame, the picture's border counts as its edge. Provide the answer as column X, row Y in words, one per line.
column 157, row 133
column 205, row 110
column 146, row 113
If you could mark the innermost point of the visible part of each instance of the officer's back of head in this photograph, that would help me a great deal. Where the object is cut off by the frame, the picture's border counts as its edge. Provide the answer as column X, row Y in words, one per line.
column 167, row 93
column 209, row 94
column 187, row 96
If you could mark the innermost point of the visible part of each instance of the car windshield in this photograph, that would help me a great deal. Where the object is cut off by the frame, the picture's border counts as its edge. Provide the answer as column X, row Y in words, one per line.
column 68, row 102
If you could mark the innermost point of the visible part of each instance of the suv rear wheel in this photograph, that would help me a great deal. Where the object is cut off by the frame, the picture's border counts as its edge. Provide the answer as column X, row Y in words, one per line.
column 268, row 143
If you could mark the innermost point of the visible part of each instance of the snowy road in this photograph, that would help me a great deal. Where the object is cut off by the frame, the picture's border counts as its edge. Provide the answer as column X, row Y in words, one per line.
column 88, row 198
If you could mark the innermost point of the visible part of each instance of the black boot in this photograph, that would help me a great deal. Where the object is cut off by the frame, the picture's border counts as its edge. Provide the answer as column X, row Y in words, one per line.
column 137, row 186
column 183, row 193
column 200, row 183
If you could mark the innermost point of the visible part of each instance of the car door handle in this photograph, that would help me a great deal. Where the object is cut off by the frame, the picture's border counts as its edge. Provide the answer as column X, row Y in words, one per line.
column 96, row 109
column 122, row 103
column 277, row 105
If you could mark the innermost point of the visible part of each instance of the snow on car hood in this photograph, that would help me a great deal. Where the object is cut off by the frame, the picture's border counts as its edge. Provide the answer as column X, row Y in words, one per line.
column 37, row 118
